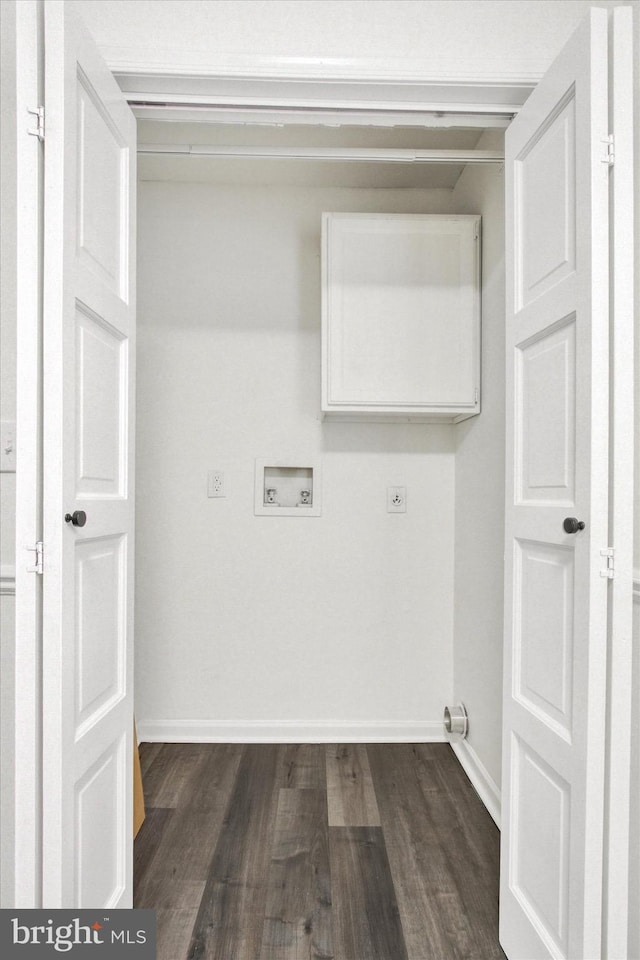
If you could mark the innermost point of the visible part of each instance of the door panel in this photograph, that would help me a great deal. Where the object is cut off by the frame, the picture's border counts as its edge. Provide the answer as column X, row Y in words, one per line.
column 557, row 467
column 545, row 201
column 540, row 874
column 543, row 647
column 98, row 815
column 103, row 177
column 102, row 422
column 100, row 571
column 545, row 420
column 89, row 359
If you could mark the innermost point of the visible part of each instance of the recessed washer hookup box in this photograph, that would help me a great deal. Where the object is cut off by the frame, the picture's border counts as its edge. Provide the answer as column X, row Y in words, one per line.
column 79, row 934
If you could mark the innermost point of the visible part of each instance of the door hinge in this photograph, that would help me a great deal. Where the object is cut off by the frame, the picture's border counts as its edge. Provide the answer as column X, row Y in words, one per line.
column 38, row 113
column 610, row 570
column 39, row 552
column 610, row 158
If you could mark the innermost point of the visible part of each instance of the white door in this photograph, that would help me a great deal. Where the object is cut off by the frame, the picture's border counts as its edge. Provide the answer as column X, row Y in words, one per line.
column 557, row 456
column 89, row 302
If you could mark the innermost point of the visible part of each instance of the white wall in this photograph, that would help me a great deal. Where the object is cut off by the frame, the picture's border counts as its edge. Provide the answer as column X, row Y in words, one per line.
column 342, row 619
column 634, row 849
column 427, row 38
column 480, row 474
column 634, row 859
column 7, row 412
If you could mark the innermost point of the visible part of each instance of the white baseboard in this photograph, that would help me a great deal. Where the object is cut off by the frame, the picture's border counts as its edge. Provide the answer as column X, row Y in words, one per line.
column 484, row 785
column 290, row 731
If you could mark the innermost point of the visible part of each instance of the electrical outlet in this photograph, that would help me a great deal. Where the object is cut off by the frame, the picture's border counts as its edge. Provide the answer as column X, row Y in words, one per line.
column 215, row 484
column 396, row 499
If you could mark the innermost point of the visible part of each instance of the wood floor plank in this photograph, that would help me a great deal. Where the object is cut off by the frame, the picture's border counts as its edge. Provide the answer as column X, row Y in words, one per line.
column 302, row 766
column 471, row 841
column 441, row 770
column 175, row 924
column 170, row 772
column 188, row 842
column 185, row 762
column 425, row 891
column 231, row 916
column 366, row 920
column 351, row 797
column 147, row 844
column 448, row 904
column 237, row 865
column 154, row 771
column 148, row 752
column 298, row 911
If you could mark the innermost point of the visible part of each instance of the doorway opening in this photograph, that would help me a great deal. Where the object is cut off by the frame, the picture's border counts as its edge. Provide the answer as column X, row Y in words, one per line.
column 359, row 621
column 229, row 291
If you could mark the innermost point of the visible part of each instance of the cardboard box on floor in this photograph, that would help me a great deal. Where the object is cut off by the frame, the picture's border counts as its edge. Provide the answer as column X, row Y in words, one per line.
column 138, row 795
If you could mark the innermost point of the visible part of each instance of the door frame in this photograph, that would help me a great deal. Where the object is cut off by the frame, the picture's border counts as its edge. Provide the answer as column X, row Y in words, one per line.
column 622, row 417
column 261, row 90
column 22, row 755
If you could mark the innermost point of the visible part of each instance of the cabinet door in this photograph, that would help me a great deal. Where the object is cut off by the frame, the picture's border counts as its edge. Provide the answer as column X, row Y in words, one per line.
column 401, row 315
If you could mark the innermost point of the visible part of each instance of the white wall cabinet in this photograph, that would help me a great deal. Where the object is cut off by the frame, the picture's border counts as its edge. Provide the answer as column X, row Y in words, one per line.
column 400, row 317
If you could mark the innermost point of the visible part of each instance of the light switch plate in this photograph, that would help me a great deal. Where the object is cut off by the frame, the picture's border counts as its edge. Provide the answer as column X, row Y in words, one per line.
column 7, row 446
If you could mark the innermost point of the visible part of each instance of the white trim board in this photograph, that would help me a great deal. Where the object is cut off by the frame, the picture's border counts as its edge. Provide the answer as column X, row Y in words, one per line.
column 290, row 731
column 340, row 85
column 442, row 73
column 7, row 580
column 481, row 780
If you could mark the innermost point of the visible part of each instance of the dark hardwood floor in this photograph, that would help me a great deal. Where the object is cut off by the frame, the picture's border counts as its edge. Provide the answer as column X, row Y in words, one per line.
column 314, row 852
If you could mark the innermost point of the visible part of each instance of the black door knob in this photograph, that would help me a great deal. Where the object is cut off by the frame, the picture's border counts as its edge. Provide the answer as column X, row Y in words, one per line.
column 572, row 525
column 78, row 518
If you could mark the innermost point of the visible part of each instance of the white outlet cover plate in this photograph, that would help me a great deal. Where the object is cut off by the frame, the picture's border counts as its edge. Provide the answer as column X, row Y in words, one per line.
column 215, row 489
column 396, row 499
